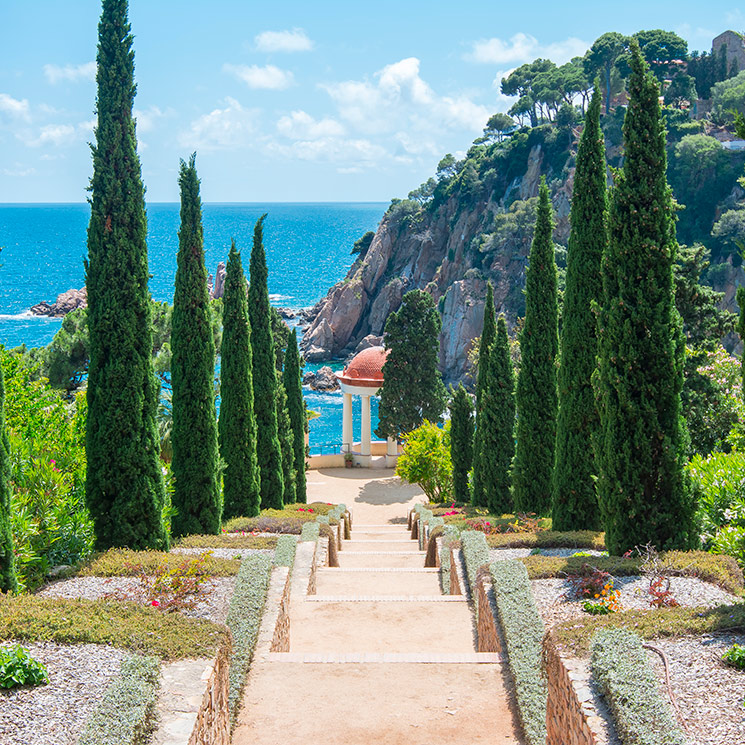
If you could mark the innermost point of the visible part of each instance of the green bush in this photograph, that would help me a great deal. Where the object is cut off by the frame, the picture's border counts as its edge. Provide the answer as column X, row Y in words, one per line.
column 126, row 713
column 475, row 555
column 523, row 633
column 229, row 540
column 426, row 461
column 244, row 620
column 121, row 562
column 548, row 539
column 310, row 532
column 19, row 668
column 620, row 667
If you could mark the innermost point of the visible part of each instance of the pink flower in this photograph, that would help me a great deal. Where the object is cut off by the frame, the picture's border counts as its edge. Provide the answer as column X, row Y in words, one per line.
column 155, row 603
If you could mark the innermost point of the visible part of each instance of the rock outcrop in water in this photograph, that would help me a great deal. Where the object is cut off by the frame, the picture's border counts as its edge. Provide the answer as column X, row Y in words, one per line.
column 64, row 304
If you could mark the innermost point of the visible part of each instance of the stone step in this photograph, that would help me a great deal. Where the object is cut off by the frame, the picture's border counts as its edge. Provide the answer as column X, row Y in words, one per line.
column 381, row 559
column 386, row 545
column 411, row 598
column 385, row 581
column 413, row 570
column 419, row 658
column 380, row 626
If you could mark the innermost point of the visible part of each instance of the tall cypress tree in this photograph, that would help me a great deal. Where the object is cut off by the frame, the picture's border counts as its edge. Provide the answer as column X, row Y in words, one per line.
column 536, row 396
column 237, row 423
column 488, row 332
column 268, row 448
column 643, row 492
column 196, row 495
column 461, row 441
column 286, row 443
column 296, row 406
column 740, row 296
column 124, row 484
column 574, row 501
column 8, row 581
column 498, row 428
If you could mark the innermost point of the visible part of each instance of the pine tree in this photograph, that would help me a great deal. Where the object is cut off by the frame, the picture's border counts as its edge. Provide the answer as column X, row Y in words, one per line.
column 237, row 423
column 124, row 484
column 536, row 396
column 461, row 441
column 268, row 450
column 8, row 581
column 498, row 424
column 287, row 444
column 574, row 501
column 488, row 332
column 196, row 494
column 296, row 405
column 412, row 389
column 643, row 492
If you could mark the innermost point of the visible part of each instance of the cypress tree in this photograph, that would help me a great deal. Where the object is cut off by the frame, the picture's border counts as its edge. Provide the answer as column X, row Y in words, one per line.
column 268, row 450
column 8, row 581
column 461, row 441
column 643, row 493
column 498, row 428
column 287, row 444
column 237, row 423
column 296, row 405
column 488, row 332
column 740, row 296
column 196, row 494
column 574, row 501
column 124, row 484
column 412, row 389
column 536, row 396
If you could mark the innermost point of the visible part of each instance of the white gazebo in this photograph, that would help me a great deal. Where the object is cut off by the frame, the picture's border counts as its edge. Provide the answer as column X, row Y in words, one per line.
column 363, row 377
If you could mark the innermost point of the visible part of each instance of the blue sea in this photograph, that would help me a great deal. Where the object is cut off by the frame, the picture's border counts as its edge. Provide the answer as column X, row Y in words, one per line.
column 307, row 246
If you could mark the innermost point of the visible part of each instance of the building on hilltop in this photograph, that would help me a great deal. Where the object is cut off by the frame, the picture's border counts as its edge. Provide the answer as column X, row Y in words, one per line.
column 735, row 44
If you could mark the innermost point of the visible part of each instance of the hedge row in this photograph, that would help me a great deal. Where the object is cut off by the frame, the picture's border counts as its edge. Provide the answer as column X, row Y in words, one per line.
column 284, row 554
column 621, row 669
column 475, row 555
column 523, row 632
column 549, row 539
column 244, row 620
column 126, row 713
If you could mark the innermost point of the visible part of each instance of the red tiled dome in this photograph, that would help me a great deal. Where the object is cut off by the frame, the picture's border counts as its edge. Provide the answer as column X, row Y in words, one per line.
column 365, row 367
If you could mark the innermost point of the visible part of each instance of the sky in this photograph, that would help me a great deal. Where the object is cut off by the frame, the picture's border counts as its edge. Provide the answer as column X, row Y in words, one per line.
column 291, row 101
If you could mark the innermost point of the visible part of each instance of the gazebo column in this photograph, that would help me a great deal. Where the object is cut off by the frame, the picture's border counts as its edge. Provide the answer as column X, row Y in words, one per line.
column 391, row 454
column 366, row 431
column 346, row 424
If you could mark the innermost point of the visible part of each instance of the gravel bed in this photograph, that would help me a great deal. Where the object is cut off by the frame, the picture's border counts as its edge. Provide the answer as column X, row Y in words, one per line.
column 554, row 606
column 213, row 606
column 502, row 554
column 224, row 553
column 55, row 714
column 708, row 693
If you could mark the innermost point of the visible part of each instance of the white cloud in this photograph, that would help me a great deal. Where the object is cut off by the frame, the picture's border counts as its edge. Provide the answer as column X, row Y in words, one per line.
column 146, row 118
column 735, row 18
column 221, row 128
column 50, row 134
column 268, row 77
column 18, row 172
column 400, row 100
column 523, row 47
column 283, row 41
column 300, row 125
column 16, row 108
column 71, row 73
column 361, row 153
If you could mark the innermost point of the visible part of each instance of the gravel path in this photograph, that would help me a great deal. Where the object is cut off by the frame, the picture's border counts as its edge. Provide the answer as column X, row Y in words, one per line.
column 708, row 693
column 55, row 714
column 214, row 606
column 554, row 607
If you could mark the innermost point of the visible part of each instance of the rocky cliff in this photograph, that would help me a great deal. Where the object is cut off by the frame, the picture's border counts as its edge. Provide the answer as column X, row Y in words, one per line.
column 450, row 248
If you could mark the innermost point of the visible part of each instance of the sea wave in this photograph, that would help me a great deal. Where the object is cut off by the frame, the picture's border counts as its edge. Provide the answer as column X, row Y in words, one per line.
column 276, row 298
column 26, row 315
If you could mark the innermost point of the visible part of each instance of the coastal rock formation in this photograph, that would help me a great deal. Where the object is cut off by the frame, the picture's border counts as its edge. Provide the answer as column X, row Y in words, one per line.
column 450, row 252
column 322, row 380
column 217, row 287
column 64, row 304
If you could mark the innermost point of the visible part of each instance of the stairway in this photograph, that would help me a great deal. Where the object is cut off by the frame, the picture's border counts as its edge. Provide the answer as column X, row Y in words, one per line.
column 378, row 655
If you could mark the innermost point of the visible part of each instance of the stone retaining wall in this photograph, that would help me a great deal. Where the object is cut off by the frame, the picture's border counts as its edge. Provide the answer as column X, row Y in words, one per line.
column 213, row 718
column 572, row 715
column 281, row 638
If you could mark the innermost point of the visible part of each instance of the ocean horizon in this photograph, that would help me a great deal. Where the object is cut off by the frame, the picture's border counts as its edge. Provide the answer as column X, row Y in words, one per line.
column 308, row 247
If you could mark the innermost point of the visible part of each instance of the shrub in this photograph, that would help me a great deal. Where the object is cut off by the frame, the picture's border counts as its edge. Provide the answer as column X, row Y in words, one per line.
column 244, row 620
column 475, row 555
column 132, row 626
column 620, row 667
column 121, row 562
column 19, row 668
column 735, row 657
column 426, row 461
column 549, row 539
column 229, row 540
column 284, row 554
column 310, row 532
column 523, row 632
column 126, row 713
